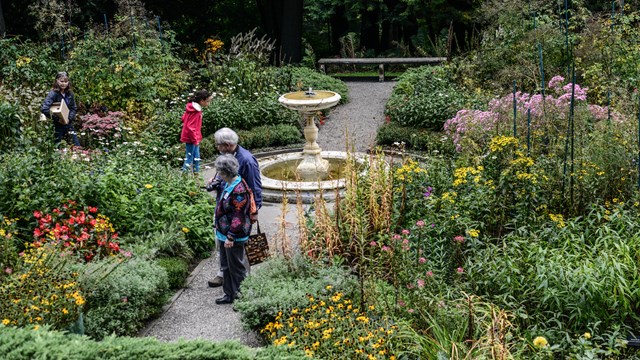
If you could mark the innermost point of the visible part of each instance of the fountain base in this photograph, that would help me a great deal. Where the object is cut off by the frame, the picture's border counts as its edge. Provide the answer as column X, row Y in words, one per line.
column 313, row 167
column 280, row 178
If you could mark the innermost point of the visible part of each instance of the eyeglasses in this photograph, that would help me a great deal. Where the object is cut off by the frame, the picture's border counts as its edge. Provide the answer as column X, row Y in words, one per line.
column 61, row 74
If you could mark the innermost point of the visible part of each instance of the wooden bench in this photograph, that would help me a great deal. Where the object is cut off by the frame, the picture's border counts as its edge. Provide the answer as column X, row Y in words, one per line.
column 380, row 62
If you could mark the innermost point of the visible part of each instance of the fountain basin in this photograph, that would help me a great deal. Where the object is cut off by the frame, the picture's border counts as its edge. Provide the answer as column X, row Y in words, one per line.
column 301, row 101
column 275, row 185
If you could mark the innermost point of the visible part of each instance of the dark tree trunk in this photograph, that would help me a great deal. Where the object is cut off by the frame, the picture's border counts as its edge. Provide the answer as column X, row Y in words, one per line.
column 339, row 26
column 282, row 21
column 369, row 30
column 291, row 31
column 3, row 26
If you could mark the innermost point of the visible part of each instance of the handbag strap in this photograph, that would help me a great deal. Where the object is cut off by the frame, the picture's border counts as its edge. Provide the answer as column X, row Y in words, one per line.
column 258, row 223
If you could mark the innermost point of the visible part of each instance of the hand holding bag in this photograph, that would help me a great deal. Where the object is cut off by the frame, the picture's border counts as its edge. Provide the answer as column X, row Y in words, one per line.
column 257, row 247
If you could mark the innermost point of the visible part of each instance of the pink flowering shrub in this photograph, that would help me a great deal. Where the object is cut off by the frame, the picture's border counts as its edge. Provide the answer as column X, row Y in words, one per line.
column 472, row 129
column 101, row 131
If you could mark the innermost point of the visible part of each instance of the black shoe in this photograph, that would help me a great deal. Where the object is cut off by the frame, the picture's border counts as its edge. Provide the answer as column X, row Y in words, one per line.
column 215, row 282
column 224, row 300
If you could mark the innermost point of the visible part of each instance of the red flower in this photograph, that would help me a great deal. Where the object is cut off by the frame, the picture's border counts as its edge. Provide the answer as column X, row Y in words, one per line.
column 37, row 233
column 37, row 214
column 93, row 209
column 114, row 246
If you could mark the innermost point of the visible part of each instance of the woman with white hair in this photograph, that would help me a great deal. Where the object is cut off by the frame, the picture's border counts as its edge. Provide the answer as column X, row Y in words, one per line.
column 233, row 225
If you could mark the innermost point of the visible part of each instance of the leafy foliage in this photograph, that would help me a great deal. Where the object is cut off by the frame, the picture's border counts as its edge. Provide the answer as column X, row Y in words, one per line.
column 121, row 302
column 40, row 290
column 424, row 98
column 10, row 127
column 177, row 270
column 109, row 72
column 15, row 343
column 279, row 286
column 393, row 134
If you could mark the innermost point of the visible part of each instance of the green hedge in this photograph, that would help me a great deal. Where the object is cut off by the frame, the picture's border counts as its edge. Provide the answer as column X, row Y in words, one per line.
column 121, row 302
column 241, row 114
column 23, row 344
column 177, row 270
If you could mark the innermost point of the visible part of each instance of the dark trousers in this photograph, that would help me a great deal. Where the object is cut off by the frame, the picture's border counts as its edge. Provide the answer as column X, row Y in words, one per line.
column 233, row 267
column 62, row 130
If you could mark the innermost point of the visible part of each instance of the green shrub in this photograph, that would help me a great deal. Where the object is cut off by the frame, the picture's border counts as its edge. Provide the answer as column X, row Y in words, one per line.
column 416, row 139
column 424, row 97
column 109, row 73
column 10, row 126
column 241, row 114
column 580, row 274
column 40, row 290
column 19, row 344
column 270, row 136
column 140, row 195
column 280, row 286
column 26, row 63
column 121, row 302
column 177, row 270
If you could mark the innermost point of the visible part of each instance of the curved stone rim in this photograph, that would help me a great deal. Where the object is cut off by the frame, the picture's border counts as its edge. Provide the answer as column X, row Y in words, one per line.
column 310, row 104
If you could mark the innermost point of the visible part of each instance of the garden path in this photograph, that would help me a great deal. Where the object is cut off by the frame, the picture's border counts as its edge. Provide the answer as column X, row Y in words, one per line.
column 192, row 312
column 359, row 118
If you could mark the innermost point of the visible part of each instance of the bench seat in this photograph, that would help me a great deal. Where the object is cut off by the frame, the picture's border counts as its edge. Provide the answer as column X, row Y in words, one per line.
column 379, row 61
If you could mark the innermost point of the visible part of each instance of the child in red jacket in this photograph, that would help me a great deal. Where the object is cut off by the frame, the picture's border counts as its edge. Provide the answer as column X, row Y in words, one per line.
column 192, row 129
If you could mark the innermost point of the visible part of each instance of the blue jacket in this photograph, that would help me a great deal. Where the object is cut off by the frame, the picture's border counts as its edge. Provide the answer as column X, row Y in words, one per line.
column 55, row 96
column 250, row 172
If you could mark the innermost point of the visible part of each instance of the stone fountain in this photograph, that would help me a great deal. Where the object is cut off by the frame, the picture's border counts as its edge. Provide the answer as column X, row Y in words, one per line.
column 312, row 170
column 308, row 103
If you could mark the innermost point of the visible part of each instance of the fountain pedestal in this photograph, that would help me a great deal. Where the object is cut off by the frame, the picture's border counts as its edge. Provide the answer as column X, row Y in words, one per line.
column 313, row 166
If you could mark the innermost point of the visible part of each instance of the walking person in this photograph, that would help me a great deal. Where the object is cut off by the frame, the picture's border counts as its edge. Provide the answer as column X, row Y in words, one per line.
column 227, row 143
column 61, row 91
column 233, row 225
column 192, row 129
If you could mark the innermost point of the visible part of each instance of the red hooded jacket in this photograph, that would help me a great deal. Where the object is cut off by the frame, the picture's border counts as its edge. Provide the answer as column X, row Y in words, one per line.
column 192, row 124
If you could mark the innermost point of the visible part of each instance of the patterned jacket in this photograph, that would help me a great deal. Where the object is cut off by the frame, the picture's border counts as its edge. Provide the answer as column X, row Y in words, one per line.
column 232, row 212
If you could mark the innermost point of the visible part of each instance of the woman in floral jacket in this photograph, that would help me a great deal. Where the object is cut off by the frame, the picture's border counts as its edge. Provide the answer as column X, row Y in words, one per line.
column 233, row 225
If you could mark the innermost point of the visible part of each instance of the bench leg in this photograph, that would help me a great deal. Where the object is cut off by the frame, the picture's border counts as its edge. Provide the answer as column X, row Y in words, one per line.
column 381, row 72
column 322, row 68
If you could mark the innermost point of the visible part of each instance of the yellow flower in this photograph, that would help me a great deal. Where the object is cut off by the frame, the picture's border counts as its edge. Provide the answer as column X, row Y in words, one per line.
column 148, row 186
column 587, row 335
column 473, row 233
column 5, row 321
column 540, row 342
column 36, row 327
column 65, row 311
column 185, row 230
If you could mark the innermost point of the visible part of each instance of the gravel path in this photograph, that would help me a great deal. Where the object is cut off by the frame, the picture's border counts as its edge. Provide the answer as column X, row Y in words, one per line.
column 192, row 313
column 359, row 118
